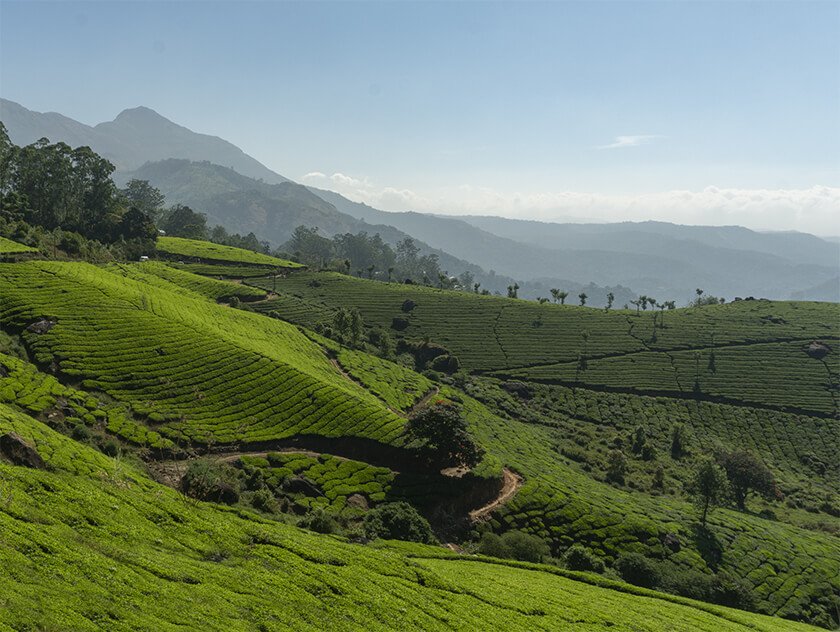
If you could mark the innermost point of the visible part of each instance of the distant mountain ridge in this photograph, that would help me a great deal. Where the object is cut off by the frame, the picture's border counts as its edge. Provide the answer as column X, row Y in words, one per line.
column 134, row 137
column 663, row 260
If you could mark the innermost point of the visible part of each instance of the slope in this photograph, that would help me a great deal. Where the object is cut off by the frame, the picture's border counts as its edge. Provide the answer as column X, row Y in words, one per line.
column 109, row 549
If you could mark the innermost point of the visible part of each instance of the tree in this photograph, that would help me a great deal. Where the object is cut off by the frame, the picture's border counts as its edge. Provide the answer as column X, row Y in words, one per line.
column 144, row 197
column 610, row 300
column 137, row 224
column 442, row 430
column 182, row 221
column 616, row 466
column 746, row 474
column 555, row 294
column 680, row 438
column 513, row 290
column 398, row 521
column 562, row 296
column 583, row 296
column 708, row 486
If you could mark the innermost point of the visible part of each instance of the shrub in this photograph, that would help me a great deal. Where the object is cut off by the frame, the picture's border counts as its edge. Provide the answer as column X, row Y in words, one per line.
column 210, row 481
column 636, row 569
column 729, row 590
column 491, row 544
column 264, row 500
column 524, row 546
column 234, row 301
column 446, row 364
column 320, row 521
column 579, row 558
column 398, row 521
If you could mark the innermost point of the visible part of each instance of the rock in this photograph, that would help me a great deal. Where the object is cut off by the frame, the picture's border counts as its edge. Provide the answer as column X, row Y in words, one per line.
column 18, row 452
column 817, row 350
column 358, row 501
column 41, row 326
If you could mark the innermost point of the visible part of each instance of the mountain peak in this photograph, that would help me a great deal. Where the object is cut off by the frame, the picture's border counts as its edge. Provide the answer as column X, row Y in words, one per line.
column 140, row 114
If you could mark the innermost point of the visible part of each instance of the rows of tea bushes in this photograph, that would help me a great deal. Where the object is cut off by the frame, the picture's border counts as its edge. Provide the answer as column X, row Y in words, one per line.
column 90, row 524
column 296, row 310
column 396, row 385
column 800, row 450
column 22, row 385
column 335, row 478
column 202, row 372
column 9, row 247
column 223, row 271
column 489, row 332
column 207, row 251
column 779, row 374
column 794, row 571
column 161, row 275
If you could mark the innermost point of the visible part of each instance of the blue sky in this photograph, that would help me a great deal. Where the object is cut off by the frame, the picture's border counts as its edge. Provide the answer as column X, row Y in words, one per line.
column 562, row 109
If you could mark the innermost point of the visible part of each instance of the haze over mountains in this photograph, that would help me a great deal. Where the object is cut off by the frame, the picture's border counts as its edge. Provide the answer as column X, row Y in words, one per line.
column 667, row 261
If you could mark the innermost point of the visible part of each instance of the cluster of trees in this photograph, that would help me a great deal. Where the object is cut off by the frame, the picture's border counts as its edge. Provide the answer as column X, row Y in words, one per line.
column 367, row 256
column 730, row 476
column 54, row 186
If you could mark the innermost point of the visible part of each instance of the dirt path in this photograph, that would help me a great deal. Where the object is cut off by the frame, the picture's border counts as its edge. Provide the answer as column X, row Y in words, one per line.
column 423, row 401
column 512, row 483
column 171, row 472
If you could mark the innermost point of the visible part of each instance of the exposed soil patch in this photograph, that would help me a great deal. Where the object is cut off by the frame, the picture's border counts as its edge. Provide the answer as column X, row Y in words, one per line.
column 512, row 483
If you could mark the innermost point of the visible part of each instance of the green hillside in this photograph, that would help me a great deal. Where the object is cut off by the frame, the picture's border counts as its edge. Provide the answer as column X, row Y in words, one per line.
column 761, row 343
column 141, row 360
column 9, row 247
column 209, row 252
column 136, row 549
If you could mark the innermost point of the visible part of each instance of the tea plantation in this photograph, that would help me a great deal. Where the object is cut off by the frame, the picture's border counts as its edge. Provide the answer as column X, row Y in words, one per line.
column 9, row 247
column 154, row 365
column 209, row 252
column 90, row 543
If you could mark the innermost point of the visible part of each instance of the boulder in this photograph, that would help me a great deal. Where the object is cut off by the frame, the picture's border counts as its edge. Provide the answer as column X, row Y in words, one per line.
column 17, row 451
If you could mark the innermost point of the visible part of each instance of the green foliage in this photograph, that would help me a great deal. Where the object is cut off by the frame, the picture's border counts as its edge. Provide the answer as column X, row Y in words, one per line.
column 579, row 558
column 443, row 432
column 638, row 570
column 708, row 486
column 206, row 479
column 398, row 521
column 746, row 474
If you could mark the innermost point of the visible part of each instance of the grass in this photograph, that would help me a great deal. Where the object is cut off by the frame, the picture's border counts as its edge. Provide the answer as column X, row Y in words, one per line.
column 109, row 549
column 209, row 252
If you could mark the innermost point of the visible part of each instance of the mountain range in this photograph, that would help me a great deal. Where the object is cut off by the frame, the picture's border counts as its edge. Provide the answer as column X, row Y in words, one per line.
column 667, row 261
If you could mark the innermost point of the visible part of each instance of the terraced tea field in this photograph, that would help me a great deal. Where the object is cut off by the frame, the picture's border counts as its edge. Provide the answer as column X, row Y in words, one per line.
column 167, row 277
column 789, row 567
column 198, row 371
column 230, row 570
column 642, row 351
column 207, row 251
column 9, row 247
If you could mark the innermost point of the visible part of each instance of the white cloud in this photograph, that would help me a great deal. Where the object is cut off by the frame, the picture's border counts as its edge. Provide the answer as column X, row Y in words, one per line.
column 815, row 210
column 630, row 141
column 313, row 175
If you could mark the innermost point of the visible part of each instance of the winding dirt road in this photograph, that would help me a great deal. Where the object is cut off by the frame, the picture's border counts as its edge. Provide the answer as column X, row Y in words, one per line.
column 512, row 483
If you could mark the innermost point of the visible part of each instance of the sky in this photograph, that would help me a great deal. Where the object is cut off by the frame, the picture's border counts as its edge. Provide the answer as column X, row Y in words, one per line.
column 693, row 112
